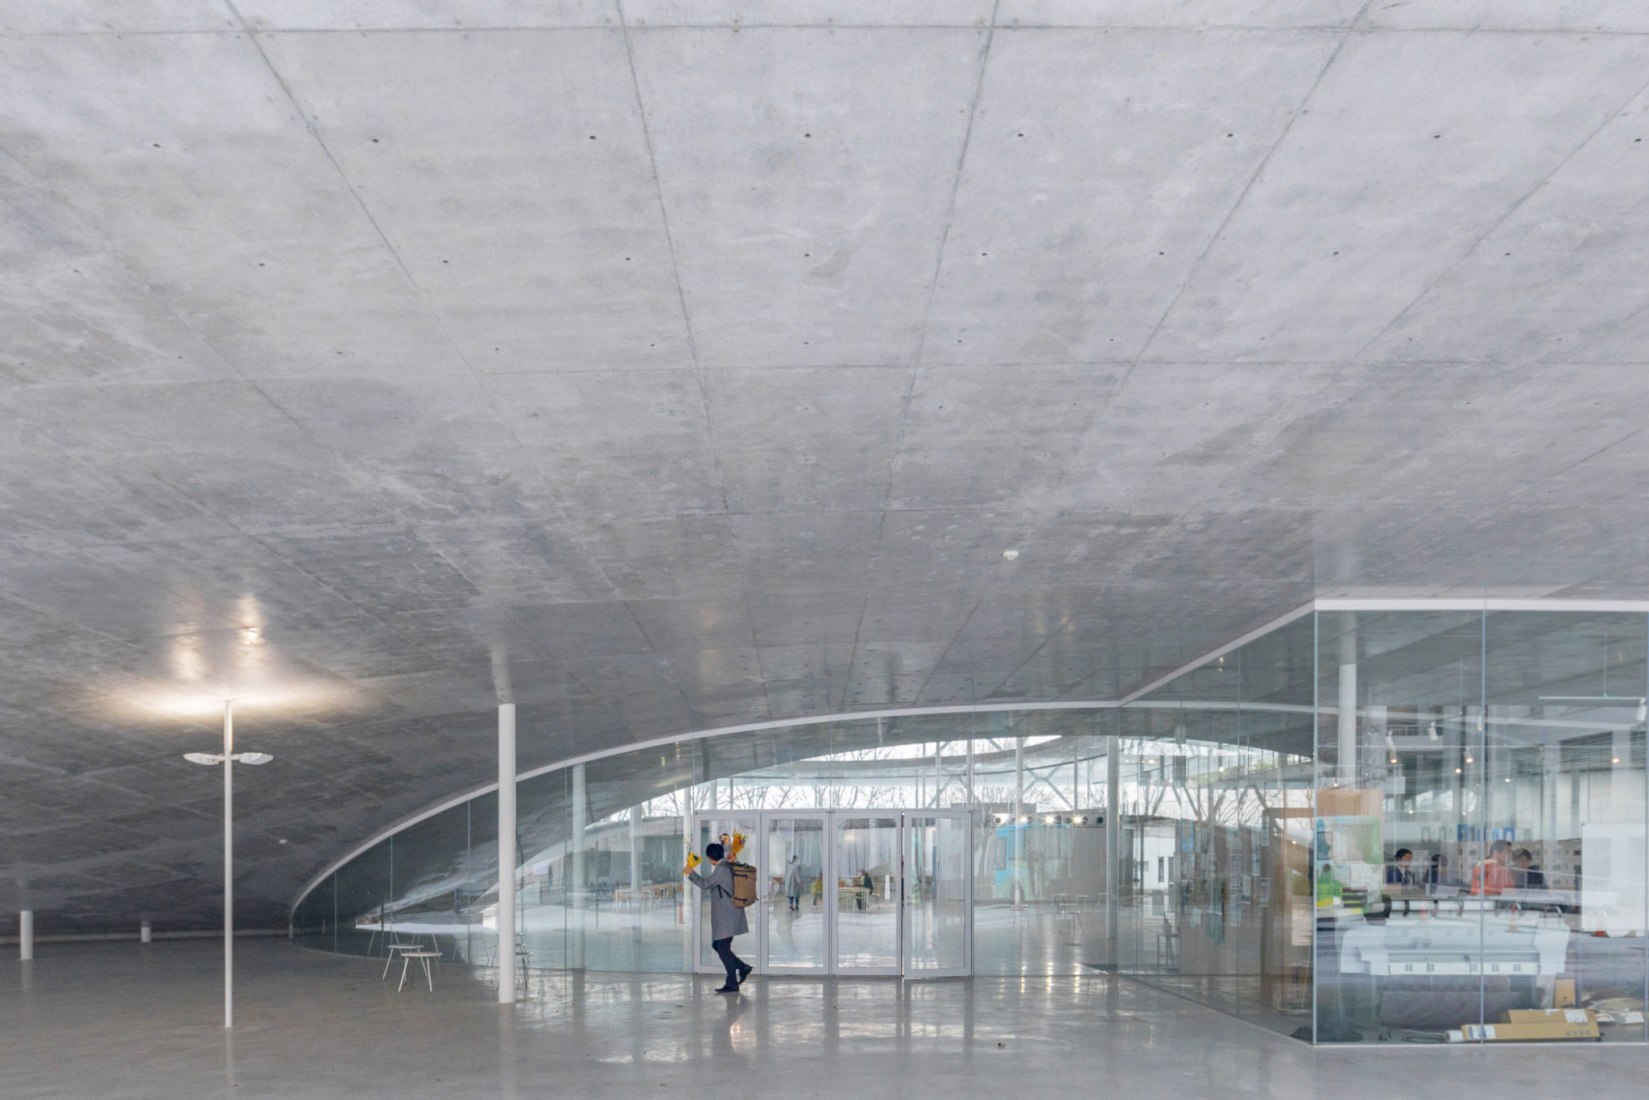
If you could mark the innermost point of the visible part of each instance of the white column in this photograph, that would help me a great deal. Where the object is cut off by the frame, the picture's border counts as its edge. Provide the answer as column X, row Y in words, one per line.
column 228, row 863
column 577, row 825
column 1113, row 846
column 506, row 853
column 1348, row 704
column 144, row 933
column 1018, row 825
column 25, row 935
column 635, row 855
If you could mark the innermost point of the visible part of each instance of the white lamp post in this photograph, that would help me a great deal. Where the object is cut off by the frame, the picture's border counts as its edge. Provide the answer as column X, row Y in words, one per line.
column 228, row 758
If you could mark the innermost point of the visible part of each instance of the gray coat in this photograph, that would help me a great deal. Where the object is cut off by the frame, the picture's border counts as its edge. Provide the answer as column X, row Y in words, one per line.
column 726, row 919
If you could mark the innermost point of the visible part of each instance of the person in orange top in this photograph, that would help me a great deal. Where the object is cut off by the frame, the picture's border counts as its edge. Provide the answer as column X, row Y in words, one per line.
column 1493, row 875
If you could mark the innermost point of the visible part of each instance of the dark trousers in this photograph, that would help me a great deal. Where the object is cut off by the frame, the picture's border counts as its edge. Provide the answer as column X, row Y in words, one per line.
column 724, row 949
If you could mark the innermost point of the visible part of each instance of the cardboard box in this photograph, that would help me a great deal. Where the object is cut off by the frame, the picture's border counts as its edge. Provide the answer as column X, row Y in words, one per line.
column 1544, row 1031
column 1546, row 1015
column 1563, row 992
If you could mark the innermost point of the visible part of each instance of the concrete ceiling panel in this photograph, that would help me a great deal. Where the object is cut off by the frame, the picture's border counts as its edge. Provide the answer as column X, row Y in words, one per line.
column 1185, row 13
column 510, row 173
column 481, row 15
column 1410, row 149
column 225, row 199
column 1099, row 167
column 1558, row 278
column 807, row 221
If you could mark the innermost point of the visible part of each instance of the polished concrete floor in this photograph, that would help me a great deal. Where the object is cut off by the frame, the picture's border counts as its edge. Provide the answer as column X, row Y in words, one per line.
column 122, row 1020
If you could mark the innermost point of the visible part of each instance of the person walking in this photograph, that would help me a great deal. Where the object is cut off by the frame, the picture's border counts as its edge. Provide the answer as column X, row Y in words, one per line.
column 726, row 919
column 795, row 881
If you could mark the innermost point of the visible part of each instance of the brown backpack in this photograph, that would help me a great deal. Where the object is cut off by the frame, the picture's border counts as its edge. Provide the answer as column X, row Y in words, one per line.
column 744, row 883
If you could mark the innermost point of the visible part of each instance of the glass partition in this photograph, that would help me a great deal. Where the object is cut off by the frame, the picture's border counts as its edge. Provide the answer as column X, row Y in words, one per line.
column 1361, row 826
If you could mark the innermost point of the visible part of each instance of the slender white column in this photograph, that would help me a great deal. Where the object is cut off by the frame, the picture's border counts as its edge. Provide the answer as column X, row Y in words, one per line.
column 635, row 856
column 1348, row 705
column 25, row 935
column 577, row 827
column 1113, row 845
column 506, row 853
column 145, row 934
column 228, row 863
column 1018, row 824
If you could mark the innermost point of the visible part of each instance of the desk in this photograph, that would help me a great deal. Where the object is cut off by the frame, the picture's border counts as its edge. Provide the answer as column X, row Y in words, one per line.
column 423, row 957
column 856, row 895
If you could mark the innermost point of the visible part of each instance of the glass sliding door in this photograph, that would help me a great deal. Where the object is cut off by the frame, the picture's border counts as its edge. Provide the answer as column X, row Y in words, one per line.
column 795, row 866
column 938, row 895
column 721, row 827
column 866, row 887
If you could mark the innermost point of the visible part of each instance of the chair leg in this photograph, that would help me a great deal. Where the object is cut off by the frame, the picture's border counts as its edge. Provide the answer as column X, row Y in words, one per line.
column 389, row 960
column 405, row 962
column 428, row 976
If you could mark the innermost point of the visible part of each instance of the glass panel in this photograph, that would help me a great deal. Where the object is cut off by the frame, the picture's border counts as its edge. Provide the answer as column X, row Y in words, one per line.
column 794, row 871
column 936, row 894
column 1215, row 817
column 731, row 830
column 1560, row 836
column 867, row 905
column 364, row 901
column 1399, row 826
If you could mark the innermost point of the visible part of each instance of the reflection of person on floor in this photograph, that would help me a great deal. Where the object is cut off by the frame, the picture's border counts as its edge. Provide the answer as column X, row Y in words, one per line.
column 726, row 919
column 1492, row 876
column 794, row 881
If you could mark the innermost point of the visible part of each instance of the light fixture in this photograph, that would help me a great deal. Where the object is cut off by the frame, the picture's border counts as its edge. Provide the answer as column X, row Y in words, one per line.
column 1010, row 555
column 1457, row 771
column 227, row 759
column 251, row 635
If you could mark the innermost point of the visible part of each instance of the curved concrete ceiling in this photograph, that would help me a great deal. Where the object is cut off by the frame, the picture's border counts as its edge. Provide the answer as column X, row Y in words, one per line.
column 671, row 364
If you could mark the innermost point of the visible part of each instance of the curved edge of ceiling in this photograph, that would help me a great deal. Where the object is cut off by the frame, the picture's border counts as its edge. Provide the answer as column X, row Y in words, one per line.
column 1336, row 603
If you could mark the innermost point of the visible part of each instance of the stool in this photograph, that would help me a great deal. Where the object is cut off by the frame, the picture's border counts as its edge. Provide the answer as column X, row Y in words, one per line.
column 423, row 957
column 390, row 950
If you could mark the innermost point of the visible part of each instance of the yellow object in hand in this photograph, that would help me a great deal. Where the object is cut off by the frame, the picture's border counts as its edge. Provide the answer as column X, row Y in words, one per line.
column 692, row 861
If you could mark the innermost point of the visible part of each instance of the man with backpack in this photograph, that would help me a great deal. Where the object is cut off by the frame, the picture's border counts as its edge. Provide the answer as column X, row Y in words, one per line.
column 726, row 917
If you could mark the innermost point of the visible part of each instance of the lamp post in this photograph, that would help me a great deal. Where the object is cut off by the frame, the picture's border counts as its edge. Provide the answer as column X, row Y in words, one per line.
column 228, row 758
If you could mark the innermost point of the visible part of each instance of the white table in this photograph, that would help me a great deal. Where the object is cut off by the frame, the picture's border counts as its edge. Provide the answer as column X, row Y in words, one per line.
column 423, row 957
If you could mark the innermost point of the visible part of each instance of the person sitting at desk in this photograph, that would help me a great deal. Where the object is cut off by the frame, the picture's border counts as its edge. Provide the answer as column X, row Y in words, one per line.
column 1492, row 876
column 1397, row 871
column 1525, row 873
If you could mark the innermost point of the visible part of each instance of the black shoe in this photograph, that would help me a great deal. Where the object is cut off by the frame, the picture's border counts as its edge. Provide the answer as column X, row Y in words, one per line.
column 728, row 989
column 744, row 972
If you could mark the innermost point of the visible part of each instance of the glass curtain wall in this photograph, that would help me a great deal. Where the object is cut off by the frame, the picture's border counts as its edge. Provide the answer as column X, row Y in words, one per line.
column 1371, row 826
column 1216, row 808
column 1478, row 855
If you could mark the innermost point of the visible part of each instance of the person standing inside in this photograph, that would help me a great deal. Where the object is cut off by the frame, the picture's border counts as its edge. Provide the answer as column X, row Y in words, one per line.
column 795, row 881
column 1492, row 876
column 726, row 919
